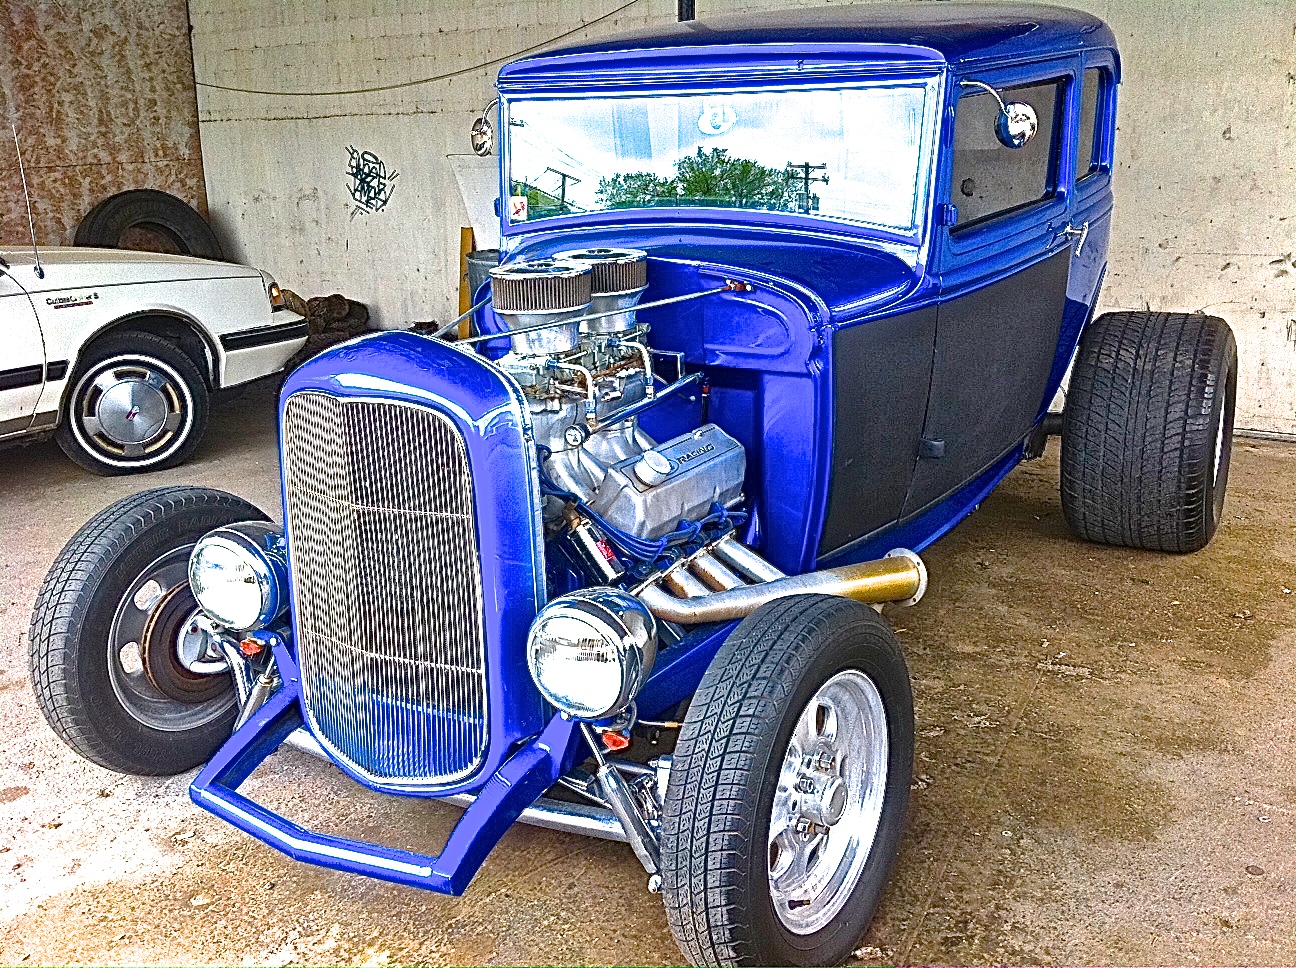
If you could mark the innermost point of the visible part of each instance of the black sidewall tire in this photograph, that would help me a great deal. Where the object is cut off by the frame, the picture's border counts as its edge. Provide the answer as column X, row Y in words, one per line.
column 1149, row 393
column 72, row 620
column 105, row 224
column 852, row 637
column 147, row 346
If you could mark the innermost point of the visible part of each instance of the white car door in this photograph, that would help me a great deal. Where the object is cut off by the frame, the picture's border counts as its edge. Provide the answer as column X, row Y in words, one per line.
column 22, row 357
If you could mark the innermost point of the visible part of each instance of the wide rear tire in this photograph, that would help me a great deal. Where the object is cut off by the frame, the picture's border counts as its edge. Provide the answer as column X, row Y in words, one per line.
column 1147, row 431
column 788, row 788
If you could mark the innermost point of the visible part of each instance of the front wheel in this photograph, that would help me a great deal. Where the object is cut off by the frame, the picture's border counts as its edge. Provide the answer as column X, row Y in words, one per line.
column 788, row 790
column 123, row 672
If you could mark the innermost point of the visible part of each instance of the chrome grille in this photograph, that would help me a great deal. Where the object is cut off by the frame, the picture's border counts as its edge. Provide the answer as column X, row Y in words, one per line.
column 387, row 587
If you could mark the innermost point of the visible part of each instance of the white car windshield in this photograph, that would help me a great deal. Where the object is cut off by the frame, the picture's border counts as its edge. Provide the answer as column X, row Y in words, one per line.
column 856, row 154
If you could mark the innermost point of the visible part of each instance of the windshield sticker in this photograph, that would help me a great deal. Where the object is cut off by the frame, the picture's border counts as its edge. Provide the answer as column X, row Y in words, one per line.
column 71, row 302
column 518, row 208
column 716, row 118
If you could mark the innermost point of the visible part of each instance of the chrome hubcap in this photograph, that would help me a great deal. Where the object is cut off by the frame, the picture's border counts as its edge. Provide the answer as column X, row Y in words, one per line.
column 828, row 803
column 131, row 410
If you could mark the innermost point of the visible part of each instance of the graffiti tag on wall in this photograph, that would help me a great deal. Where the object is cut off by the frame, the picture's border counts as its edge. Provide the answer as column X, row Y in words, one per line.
column 371, row 184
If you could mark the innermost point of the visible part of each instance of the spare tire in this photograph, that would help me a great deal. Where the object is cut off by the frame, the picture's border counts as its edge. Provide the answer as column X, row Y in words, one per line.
column 150, row 221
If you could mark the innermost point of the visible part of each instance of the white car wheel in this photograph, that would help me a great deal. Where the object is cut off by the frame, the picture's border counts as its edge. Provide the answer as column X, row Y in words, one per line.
column 137, row 403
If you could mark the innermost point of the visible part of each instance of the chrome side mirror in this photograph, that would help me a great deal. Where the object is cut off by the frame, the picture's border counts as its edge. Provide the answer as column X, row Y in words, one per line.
column 482, row 136
column 1017, row 122
column 1016, row 125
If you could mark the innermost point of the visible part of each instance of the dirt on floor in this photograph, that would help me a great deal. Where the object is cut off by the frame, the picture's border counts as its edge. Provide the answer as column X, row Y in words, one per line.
column 1105, row 768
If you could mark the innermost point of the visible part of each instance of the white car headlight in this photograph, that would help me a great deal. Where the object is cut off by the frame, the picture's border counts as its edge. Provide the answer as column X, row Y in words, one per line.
column 590, row 652
column 239, row 575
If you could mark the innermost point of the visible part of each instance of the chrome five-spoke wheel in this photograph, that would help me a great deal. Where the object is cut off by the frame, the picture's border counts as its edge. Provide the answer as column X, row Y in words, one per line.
column 828, row 802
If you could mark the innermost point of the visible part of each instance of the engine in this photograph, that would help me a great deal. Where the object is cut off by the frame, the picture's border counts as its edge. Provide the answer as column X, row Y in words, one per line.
column 582, row 358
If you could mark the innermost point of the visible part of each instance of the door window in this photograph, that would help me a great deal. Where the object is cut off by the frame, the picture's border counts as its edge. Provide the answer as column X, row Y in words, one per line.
column 1089, row 159
column 989, row 179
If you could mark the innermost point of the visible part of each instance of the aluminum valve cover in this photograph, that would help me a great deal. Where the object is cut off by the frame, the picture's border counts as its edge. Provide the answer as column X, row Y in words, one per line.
column 691, row 472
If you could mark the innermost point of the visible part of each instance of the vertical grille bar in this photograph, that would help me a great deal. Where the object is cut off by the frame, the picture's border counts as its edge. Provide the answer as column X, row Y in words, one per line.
column 387, row 587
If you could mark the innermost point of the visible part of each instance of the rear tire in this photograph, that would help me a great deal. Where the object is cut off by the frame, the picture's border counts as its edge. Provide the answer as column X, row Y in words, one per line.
column 1147, row 432
column 108, row 665
column 804, row 715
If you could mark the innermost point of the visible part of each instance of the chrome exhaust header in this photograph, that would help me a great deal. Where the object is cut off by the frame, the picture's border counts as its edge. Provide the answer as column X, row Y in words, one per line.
column 685, row 594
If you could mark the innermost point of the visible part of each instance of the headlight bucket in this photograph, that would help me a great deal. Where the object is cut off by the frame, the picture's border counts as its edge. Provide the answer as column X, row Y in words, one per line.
column 590, row 651
column 239, row 575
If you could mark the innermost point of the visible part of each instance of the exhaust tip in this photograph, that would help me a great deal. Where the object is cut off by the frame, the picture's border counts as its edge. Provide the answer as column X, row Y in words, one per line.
column 913, row 557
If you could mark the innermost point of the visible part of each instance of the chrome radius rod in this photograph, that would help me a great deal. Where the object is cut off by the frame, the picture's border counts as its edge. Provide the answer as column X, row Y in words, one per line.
column 731, row 285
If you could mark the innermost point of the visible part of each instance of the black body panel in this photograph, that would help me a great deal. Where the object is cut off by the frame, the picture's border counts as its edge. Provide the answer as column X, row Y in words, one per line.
column 994, row 353
column 881, row 378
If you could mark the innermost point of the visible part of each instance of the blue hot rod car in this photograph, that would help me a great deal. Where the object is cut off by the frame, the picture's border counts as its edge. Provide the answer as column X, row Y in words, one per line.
column 782, row 299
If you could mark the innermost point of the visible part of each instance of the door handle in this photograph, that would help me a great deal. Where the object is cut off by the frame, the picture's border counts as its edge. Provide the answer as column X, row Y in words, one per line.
column 1081, row 233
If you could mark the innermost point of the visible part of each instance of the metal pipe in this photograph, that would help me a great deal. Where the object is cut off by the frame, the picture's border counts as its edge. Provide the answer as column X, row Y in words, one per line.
column 732, row 285
column 715, row 574
column 681, row 581
column 732, row 552
column 639, row 406
column 573, row 818
column 900, row 577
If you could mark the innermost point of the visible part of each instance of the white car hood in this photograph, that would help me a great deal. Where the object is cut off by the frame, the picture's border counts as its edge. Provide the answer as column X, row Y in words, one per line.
column 78, row 268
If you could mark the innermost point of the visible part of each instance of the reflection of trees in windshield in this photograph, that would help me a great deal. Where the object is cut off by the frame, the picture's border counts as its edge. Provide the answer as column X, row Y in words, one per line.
column 706, row 178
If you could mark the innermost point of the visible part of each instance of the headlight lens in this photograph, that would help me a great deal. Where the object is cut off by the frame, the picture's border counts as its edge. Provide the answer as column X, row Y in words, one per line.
column 590, row 652
column 239, row 575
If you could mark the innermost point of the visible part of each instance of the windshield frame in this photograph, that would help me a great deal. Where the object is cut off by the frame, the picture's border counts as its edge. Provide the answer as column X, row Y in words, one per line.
column 932, row 80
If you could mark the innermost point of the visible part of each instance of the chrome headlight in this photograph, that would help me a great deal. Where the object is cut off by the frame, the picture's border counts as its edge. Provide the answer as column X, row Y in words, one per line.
column 590, row 652
column 239, row 575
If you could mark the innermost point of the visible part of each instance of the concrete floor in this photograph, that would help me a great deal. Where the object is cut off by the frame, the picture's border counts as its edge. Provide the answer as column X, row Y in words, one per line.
column 1105, row 769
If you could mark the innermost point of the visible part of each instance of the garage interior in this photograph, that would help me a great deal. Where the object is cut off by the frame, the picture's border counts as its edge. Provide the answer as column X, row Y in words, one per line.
column 1105, row 737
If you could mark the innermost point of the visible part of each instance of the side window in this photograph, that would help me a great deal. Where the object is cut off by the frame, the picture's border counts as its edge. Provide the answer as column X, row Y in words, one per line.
column 1089, row 157
column 990, row 179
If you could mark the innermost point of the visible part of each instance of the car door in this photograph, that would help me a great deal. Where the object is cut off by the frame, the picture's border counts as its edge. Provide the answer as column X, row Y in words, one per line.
column 22, row 357
column 1005, row 258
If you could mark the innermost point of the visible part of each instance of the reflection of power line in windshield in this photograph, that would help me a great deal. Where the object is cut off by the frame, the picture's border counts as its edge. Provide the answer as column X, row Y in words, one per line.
column 805, row 200
column 542, row 145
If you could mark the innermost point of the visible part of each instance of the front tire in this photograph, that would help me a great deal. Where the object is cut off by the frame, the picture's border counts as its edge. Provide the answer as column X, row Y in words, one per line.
column 137, row 403
column 120, row 670
column 789, row 786
column 1147, row 431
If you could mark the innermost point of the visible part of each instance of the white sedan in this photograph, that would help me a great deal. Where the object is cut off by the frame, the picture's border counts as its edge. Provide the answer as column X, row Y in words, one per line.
column 117, row 352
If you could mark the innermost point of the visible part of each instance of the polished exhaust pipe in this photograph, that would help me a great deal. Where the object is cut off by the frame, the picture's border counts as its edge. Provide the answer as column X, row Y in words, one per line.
column 900, row 577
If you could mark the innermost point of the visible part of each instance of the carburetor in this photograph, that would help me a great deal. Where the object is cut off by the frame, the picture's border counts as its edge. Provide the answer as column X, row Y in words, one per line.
column 581, row 356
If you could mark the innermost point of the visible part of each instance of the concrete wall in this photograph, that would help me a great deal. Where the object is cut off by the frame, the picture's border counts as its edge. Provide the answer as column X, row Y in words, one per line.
column 102, row 93
column 1206, row 184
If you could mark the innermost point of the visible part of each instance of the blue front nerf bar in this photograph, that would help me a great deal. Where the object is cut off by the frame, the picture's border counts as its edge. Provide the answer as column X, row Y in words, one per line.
column 518, row 783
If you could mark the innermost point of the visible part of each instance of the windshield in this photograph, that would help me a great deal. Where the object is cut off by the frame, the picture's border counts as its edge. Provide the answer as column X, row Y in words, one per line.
column 857, row 154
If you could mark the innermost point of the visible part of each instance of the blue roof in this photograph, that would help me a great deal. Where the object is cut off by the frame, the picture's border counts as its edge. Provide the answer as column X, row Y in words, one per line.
column 957, row 33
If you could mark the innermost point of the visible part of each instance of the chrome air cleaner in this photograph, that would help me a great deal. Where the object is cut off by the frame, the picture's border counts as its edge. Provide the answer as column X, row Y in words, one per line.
column 527, row 294
column 619, row 277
